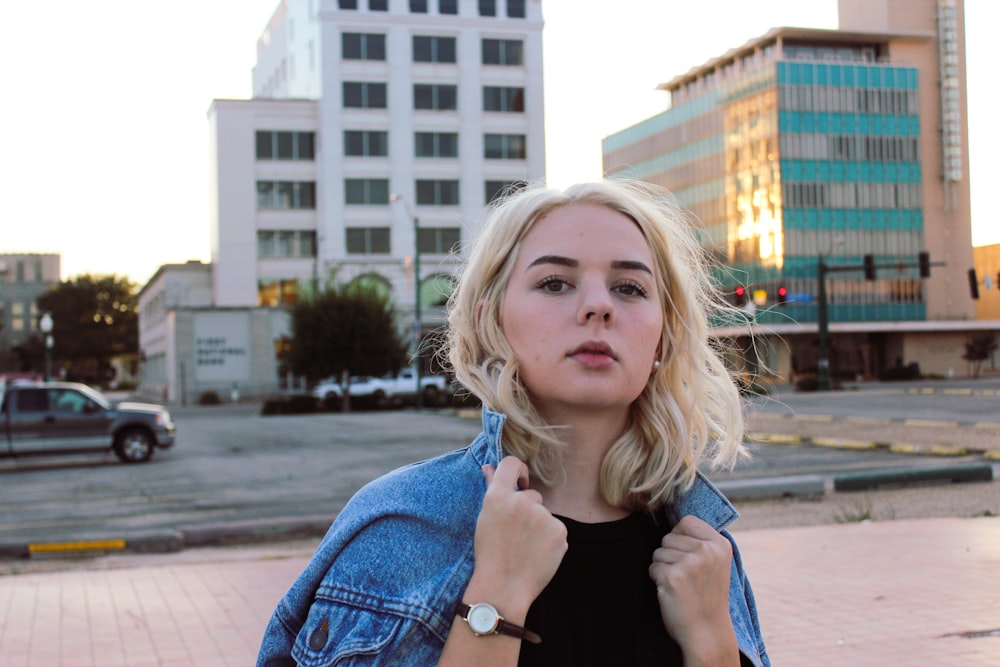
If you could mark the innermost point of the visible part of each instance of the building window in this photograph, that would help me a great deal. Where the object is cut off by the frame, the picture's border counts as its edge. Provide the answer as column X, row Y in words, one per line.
column 503, row 98
column 282, row 145
column 274, row 293
column 17, row 312
column 433, row 49
column 364, row 95
column 366, row 191
column 362, row 46
column 503, row 52
column 515, row 9
column 437, row 193
column 348, row 4
column 435, row 144
column 447, row 6
column 286, row 194
column 285, row 243
column 366, row 143
column 504, row 146
column 496, row 189
column 440, row 97
column 438, row 240
column 378, row 5
column 487, row 7
column 367, row 240
column 418, row 6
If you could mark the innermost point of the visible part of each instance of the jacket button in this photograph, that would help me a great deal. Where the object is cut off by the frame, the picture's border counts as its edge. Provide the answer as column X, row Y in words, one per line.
column 317, row 639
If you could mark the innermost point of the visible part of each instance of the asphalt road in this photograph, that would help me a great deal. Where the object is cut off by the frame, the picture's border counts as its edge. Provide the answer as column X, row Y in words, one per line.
column 233, row 467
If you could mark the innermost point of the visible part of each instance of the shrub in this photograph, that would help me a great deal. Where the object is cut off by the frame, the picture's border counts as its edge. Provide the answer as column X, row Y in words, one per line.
column 209, row 397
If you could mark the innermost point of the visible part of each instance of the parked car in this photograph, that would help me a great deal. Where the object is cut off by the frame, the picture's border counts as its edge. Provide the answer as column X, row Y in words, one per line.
column 388, row 389
column 66, row 417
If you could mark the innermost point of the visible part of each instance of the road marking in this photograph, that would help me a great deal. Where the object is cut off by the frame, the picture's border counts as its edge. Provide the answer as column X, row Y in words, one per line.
column 814, row 418
column 778, row 438
column 931, row 422
column 84, row 545
column 933, row 450
column 840, row 443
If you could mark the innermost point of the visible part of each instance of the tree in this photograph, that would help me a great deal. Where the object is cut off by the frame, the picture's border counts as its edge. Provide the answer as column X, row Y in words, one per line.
column 343, row 331
column 94, row 319
column 978, row 349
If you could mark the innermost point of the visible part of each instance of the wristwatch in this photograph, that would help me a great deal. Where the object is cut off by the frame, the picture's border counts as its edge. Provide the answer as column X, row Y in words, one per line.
column 484, row 619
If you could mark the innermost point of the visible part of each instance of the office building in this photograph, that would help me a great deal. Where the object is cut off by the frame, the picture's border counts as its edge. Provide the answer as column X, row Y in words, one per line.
column 807, row 150
column 23, row 278
column 377, row 132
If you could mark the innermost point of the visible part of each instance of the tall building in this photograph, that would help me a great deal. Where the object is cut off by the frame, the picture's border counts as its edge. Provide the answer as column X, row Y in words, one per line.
column 807, row 150
column 377, row 132
column 23, row 278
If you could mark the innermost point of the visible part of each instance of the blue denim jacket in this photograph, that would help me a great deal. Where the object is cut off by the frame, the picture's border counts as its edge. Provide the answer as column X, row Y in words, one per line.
column 383, row 585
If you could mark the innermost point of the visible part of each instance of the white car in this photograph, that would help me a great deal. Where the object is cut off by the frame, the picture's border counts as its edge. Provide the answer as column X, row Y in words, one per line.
column 360, row 386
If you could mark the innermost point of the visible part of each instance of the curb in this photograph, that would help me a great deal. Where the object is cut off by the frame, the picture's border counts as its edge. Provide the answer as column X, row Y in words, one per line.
column 862, row 481
column 940, row 450
column 170, row 541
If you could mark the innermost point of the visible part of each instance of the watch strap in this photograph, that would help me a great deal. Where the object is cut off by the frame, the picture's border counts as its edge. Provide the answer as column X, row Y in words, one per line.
column 503, row 627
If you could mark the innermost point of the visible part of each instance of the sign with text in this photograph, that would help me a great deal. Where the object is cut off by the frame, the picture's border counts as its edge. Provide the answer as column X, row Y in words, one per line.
column 221, row 347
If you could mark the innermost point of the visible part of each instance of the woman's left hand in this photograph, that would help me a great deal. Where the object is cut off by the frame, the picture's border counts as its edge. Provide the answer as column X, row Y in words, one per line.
column 691, row 572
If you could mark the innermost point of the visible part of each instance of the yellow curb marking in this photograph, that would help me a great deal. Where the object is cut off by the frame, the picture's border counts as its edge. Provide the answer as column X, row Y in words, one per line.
column 932, row 450
column 844, row 444
column 957, row 392
column 992, row 455
column 987, row 425
column 931, row 422
column 86, row 545
column 777, row 438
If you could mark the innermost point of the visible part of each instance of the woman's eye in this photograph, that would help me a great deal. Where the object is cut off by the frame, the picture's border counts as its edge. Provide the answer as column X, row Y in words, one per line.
column 631, row 288
column 553, row 284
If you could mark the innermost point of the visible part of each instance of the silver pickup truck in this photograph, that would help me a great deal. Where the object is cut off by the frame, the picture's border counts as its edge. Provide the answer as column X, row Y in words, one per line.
column 66, row 417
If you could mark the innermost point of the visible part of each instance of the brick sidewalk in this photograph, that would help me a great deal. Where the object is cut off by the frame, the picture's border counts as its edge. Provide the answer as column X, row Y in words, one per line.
column 886, row 593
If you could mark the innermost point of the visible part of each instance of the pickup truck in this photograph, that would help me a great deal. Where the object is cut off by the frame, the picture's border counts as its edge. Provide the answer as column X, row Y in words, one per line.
column 388, row 389
column 66, row 417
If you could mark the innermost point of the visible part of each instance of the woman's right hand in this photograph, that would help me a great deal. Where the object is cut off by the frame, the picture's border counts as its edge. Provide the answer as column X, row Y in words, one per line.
column 518, row 544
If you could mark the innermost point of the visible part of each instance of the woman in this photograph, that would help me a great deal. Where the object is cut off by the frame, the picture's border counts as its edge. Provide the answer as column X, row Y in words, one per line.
column 576, row 529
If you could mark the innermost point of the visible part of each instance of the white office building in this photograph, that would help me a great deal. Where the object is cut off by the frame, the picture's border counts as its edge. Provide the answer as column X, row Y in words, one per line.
column 378, row 131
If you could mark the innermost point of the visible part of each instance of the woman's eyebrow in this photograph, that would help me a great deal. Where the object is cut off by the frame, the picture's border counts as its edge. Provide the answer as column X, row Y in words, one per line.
column 555, row 259
column 629, row 265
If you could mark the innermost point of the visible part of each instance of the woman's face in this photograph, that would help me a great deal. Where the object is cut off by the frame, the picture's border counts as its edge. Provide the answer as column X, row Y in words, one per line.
column 582, row 312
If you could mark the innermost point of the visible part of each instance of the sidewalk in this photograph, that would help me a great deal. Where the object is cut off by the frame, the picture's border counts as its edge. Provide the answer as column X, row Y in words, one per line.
column 918, row 592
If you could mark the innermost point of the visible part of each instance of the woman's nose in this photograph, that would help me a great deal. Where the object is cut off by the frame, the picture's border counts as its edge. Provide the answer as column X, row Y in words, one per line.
column 596, row 304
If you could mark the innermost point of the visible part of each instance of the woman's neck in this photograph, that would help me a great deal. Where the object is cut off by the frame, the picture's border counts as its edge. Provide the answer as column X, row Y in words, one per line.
column 577, row 495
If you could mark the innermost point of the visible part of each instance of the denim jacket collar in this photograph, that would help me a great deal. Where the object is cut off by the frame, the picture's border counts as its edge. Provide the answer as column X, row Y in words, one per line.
column 702, row 500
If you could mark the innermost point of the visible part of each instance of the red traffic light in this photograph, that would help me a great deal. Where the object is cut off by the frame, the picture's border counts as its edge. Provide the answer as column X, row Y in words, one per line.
column 782, row 295
column 741, row 290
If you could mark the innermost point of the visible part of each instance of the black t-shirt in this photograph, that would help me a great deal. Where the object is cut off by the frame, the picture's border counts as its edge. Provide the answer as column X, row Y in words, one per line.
column 600, row 607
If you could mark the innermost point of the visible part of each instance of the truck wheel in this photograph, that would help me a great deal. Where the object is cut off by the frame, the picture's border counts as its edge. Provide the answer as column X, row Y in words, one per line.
column 379, row 400
column 134, row 445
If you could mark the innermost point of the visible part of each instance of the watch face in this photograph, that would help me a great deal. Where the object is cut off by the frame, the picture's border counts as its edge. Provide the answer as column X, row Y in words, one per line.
column 483, row 619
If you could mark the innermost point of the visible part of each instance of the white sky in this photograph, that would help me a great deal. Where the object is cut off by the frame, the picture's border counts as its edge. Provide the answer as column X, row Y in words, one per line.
column 105, row 154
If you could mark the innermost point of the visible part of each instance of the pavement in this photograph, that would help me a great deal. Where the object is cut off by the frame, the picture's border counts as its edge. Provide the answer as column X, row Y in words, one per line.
column 915, row 592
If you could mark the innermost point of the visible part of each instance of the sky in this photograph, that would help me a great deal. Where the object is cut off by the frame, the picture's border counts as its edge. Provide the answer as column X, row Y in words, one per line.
column 105, row 154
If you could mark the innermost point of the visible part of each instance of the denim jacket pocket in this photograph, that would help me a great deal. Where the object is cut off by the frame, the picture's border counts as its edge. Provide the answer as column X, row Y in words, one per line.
column 335, row 633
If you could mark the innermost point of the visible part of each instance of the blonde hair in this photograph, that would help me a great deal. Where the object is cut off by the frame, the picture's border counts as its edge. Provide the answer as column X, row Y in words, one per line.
column 689, row 411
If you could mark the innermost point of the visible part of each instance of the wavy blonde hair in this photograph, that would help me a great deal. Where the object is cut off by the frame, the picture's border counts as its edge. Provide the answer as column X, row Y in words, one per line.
column 689, row 411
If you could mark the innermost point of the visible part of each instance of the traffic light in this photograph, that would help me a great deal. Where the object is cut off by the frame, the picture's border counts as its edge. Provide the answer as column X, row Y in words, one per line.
column 782, row 295
column 973, row 284
column 924, row 259
column 740, row 295
column 869, row 267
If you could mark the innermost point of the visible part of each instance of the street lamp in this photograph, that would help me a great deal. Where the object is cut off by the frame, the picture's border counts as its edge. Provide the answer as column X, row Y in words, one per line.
column 416, row 293
column 45, row 323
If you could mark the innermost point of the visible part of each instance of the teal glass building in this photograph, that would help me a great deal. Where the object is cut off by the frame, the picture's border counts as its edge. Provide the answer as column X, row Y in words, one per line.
column 804, row 146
